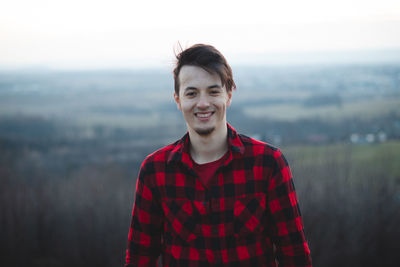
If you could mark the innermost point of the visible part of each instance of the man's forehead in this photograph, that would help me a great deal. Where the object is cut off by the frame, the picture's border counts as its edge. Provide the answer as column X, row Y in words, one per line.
column 193, row 74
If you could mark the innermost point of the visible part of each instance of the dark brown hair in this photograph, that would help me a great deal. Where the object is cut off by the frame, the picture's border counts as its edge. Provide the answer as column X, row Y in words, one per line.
column 207, row 58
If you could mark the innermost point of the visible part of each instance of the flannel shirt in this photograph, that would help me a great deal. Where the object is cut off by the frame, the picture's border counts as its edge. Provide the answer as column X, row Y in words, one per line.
column 247, row 216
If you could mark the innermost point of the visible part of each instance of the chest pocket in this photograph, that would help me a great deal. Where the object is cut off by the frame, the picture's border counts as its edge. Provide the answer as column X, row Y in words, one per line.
column 181, row 218
column 249, row 214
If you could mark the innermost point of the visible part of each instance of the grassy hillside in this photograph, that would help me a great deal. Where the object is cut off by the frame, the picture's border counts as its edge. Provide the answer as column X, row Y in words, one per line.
column 384, row 157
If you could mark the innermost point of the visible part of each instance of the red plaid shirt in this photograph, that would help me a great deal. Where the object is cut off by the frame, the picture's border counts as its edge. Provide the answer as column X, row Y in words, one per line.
column 247, row 216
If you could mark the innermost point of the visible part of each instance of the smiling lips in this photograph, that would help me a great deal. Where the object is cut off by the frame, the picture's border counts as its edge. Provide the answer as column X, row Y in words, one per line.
column 203, row 115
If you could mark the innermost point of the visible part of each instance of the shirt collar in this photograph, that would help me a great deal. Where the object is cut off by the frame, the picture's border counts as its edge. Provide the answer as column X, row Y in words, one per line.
column 181, row 150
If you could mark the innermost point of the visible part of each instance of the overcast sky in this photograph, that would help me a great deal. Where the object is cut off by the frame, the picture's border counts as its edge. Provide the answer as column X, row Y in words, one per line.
column 131, row 34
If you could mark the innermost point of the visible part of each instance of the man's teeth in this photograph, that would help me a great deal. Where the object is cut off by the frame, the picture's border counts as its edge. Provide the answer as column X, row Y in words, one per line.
column 203, row 115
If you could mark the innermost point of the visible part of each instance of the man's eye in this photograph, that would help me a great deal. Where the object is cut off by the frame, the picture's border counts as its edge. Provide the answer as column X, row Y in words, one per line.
column 214, row 92
column 190, row 94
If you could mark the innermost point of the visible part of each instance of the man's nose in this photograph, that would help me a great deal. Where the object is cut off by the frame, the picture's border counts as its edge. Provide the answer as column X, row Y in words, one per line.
column 203, row 102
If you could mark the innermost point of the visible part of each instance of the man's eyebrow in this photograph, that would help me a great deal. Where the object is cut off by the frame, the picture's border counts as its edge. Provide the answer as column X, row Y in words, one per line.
column 209, row 87
column 214, row 86
column 190, row 88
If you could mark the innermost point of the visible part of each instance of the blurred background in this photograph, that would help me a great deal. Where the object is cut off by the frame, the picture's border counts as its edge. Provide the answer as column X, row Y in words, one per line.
column 86, row 92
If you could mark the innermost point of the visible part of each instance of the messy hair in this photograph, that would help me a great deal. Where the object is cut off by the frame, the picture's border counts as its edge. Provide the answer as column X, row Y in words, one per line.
column 207, row 58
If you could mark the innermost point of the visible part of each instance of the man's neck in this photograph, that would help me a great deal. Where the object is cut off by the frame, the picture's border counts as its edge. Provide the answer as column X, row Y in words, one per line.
column 204, row 149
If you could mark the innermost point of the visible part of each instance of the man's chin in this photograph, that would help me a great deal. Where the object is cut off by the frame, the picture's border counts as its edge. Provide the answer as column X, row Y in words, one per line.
column 204, row 131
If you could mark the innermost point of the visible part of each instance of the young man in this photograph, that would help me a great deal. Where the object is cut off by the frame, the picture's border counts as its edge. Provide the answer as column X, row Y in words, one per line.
column 214, row 197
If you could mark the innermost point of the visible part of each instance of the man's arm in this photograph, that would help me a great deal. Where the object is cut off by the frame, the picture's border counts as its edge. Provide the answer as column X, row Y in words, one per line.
column 287, row 230
column 144, row 240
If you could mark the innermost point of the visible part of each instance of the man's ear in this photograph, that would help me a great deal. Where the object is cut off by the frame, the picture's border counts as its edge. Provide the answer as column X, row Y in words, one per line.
column 178, row 103
column 229, row 101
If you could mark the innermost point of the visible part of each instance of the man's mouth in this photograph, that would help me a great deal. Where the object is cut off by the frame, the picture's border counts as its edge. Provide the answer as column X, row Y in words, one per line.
column 204, row 114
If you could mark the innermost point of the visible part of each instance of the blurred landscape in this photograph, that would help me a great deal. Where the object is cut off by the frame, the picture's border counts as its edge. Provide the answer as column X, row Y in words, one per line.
column 71, row 144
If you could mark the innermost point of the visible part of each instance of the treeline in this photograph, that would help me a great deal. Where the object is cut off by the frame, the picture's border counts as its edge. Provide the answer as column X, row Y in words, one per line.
column 304, row 131
column 43, row 132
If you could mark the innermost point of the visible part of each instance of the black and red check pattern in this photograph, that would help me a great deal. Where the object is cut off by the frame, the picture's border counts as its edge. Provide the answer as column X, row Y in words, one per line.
column 247, row 216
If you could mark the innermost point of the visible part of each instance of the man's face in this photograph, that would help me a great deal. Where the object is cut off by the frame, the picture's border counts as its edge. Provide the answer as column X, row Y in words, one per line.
column 202, row 99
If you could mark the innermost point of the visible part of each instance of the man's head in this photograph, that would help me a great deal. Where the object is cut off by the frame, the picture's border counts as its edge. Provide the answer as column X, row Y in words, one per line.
column 203, row 89
column 207, row 58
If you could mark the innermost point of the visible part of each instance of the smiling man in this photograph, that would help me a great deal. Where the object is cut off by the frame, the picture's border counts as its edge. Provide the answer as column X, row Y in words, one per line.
column 214, row 197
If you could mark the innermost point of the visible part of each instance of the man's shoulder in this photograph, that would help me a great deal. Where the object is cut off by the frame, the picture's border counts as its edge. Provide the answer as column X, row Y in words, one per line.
column 257, row 146
column 162, row 153
column 269, row 153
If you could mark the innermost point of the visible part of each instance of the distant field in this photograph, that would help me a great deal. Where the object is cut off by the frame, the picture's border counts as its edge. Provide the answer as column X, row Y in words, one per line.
column 361, row 109
column 126, row 121
column 125, row 98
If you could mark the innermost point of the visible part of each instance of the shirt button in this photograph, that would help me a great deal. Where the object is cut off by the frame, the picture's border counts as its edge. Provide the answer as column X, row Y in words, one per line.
column 204, row 203
column 214, row 231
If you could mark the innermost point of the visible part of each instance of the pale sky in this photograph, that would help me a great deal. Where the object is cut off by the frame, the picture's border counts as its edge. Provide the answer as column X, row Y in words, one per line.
column 131, row 34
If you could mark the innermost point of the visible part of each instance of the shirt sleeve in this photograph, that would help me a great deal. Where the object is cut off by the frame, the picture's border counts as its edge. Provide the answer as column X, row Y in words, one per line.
column 287, row 225
column 144, row 239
